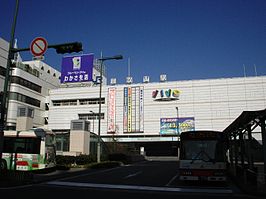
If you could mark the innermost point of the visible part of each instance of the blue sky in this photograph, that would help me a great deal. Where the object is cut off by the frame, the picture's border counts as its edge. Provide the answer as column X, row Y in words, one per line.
column 184, row 39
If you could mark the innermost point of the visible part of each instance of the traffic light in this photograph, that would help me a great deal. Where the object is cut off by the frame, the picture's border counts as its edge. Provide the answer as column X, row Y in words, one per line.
column 68, row 47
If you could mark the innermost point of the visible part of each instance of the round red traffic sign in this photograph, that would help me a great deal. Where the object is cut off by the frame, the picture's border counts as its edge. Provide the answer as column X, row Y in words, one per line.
column 38, row 46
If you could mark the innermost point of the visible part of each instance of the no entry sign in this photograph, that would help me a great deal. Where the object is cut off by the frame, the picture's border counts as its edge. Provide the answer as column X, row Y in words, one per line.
column 38, row 46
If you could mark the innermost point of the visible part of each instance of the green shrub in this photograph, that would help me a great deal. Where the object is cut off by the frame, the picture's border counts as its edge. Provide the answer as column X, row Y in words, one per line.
column 84, row 159
column 121, row 157
column 69, row 161
column 104, row 165
column 65, row 160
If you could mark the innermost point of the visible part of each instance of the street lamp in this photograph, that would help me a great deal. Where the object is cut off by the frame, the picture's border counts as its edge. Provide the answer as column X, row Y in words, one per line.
column 92, row 120
column 177, row 116
column 102, row 59
column 178, row 138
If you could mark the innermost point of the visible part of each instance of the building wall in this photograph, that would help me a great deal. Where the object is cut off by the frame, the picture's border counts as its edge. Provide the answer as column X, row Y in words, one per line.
column 214, row 103
column 45, row 80
column 33, row 73
column 3, row 60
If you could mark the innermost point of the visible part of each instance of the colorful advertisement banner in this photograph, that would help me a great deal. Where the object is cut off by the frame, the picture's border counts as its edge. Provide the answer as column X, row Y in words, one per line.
column 169, row 126
column 125, row 109
column 186, row 124
column 141, row 109
column 129, row 113
column 111, row 110
column 174, row 126
column 77, row 68
column 133, row 109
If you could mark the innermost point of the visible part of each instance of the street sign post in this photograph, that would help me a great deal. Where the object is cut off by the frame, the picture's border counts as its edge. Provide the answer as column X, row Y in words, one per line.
column 38, row 46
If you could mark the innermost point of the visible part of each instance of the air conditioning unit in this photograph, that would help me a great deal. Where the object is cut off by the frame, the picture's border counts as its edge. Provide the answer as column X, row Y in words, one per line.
column 25, row 117
column 146, row 79
column 163, row 78
column 80, row 125
column 129, row 80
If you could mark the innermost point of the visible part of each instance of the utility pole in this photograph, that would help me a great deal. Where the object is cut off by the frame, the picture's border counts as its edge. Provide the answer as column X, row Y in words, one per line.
column 60, row 49
column 4, row 102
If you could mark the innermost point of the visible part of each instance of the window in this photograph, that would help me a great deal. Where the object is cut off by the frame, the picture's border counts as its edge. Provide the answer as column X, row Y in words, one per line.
column 22, row 145
column 64, row 102
column 26, row 83
column 91, row 101
column 90, row 116
column 22, row 112
column 24, row 98
column 75, row 102
column 62, row 142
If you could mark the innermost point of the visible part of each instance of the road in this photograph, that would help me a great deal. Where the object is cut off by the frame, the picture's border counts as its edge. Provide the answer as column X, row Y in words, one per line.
column 148, row 179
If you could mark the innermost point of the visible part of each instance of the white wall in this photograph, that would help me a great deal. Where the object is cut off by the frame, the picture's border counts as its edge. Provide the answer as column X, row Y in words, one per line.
column 3, row 59
column 214, row 103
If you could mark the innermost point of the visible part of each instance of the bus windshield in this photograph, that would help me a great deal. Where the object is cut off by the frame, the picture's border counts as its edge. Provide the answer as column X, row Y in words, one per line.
column 206, row 150
column 29, row 145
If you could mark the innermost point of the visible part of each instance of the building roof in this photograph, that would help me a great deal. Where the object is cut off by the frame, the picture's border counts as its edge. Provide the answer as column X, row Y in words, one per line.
column 245, row 119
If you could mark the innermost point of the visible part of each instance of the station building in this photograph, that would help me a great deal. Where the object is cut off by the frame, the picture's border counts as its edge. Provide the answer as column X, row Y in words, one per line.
column 148, row 117
column 145, row 117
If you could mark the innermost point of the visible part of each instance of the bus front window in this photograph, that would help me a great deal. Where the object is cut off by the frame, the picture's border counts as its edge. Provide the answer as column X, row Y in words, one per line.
column 199, row 150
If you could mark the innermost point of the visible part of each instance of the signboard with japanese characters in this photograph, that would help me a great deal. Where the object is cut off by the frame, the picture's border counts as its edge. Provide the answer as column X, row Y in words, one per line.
column 77, row 68
column 172, row 126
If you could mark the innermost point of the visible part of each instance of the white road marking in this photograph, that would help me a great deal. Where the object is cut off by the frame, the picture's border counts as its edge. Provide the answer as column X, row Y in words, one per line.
column 132, row 175
column 142, row 188
column 90, row 173
column 173, row 179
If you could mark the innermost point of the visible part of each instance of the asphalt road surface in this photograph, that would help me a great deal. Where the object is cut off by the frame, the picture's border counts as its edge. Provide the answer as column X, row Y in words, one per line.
column 148, row 179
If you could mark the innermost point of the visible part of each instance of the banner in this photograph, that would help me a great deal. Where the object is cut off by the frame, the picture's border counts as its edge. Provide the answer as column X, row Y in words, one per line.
column 186, row 124
column 77, row 68
column 141, row 109
column 133, row 109
column 169, row 126
column 111, row 110
column 125, row 109
column 174, row 126
column 129, row 113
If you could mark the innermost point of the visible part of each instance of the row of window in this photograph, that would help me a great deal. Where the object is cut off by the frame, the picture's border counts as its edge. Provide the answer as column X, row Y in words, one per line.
column 26, row 83
column 63, row 142
column 77, row 102
column 25, row 99
column 21, row 81
column 90, row 116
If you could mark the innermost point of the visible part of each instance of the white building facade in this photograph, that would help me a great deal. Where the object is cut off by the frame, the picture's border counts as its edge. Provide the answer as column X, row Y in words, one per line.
column 30, row 83
column 157, row 112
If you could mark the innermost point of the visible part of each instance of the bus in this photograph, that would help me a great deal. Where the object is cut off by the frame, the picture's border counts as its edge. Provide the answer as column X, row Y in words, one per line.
column 29, row 150
column 203, row 156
